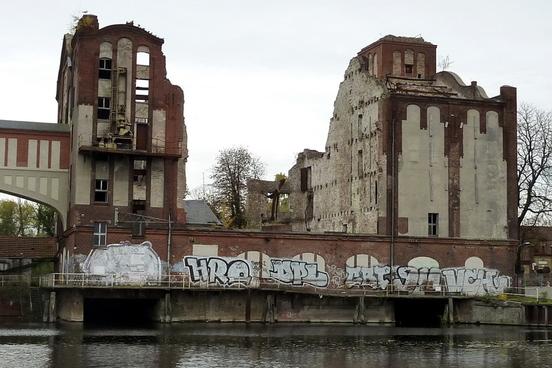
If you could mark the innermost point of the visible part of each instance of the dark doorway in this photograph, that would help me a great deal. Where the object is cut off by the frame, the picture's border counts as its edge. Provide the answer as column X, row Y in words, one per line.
column 419, row 312
column 136, row 312
column 142, row 136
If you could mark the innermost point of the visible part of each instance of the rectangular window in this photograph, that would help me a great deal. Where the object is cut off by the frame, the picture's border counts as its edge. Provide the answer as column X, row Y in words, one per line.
column 104, row 107
column 360, row 164
column 100, row 192
column 100, row 233
column 408, row 70
column 433, row 224
column 104, row 71
column 376, row 192
column 305, row 179
column 359, row 126
column 142, row 90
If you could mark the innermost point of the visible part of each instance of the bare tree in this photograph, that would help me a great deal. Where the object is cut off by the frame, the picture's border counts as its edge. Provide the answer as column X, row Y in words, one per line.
column 445, row 63
column 233, row 167
column 534, row 165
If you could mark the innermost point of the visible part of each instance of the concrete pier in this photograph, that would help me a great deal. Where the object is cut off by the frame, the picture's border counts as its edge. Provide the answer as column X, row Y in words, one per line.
column 277, row 306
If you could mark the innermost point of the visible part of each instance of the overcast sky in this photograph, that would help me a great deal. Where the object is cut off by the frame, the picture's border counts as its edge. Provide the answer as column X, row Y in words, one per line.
column 264, row 74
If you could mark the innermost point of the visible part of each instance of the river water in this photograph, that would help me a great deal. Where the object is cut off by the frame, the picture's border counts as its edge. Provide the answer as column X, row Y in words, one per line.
column 280, row 345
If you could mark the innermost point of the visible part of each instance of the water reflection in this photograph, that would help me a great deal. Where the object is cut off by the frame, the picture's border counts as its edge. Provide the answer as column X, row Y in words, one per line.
column 239, row 345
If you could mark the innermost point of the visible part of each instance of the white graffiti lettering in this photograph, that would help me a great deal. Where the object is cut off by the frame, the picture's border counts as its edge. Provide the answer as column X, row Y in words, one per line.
column 476, row 281
column 132, row 263
column 219, row 270
column 297, row 273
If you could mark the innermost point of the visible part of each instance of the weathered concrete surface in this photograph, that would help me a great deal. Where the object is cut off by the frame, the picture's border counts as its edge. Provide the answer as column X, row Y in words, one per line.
column 489, row 312
column 405, row 142
column 268, row 306
column 70, row 305
column 273, row 306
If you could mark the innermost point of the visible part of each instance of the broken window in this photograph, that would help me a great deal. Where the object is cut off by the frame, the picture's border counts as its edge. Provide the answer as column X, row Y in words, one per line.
column 104, row 71
column 139, row 186
column 360, row 164
column 409, row 63
column 142, row 58
column 139, row 223
column 305, row 179
column 433, row 224
column 100, row 192
column 421, row 65
column 104, row 107
column 376, row 192
column 100, row 233
column 142, row 90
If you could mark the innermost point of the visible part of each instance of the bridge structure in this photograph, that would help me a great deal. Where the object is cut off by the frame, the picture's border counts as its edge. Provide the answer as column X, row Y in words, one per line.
column 34, row 163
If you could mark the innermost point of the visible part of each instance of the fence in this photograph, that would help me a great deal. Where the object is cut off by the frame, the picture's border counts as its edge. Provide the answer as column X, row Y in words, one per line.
column 183, row 281
column 17, row 280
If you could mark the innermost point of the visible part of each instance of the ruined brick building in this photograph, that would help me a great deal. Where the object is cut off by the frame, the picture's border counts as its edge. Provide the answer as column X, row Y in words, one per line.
column 128, row 139
column 409, row 152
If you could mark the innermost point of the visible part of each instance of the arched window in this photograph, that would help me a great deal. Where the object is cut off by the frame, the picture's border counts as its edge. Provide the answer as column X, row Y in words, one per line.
column 105, row 65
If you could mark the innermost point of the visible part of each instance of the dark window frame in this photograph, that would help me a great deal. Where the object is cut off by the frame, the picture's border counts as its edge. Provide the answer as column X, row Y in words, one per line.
column 99, row 235
column 104, row 68
column 101, row 190
column 104, row 108
column 433, row 224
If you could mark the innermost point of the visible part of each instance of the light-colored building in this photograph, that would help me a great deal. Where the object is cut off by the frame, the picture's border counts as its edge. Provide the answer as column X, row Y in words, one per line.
column 409, row 152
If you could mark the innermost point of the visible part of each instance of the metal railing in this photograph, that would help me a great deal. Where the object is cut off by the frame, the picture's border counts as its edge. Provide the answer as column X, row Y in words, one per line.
column 183, row 281
column 15, row 280
column 171, row 281
column 158, row 146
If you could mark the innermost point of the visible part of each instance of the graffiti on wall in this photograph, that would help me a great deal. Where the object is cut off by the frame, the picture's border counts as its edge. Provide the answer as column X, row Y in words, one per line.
column 129, row 262
column 297, row 273
column 475, row 281
column 228, row 271
column 219, row 270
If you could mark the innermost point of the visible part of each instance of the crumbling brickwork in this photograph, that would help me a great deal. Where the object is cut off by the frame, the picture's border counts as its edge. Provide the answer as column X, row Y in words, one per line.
column 129, row 143
column 410, row 152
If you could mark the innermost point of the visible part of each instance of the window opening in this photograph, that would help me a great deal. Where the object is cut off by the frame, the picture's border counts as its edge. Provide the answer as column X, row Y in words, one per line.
column 306, row 179
column 142, row 90
column 142, row 58
column 433, row 224
column 376, row 192
column 104, row 107
column 100, row 233
column 360, row 164
column 100, row 192
column 104, row 71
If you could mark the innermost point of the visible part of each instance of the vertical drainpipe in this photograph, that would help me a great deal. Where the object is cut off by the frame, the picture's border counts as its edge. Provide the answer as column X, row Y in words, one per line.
column 392, row 245
column 169, row 240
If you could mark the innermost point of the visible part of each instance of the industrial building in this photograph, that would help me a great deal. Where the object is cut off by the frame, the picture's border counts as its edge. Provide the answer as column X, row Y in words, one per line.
column 410, row 152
